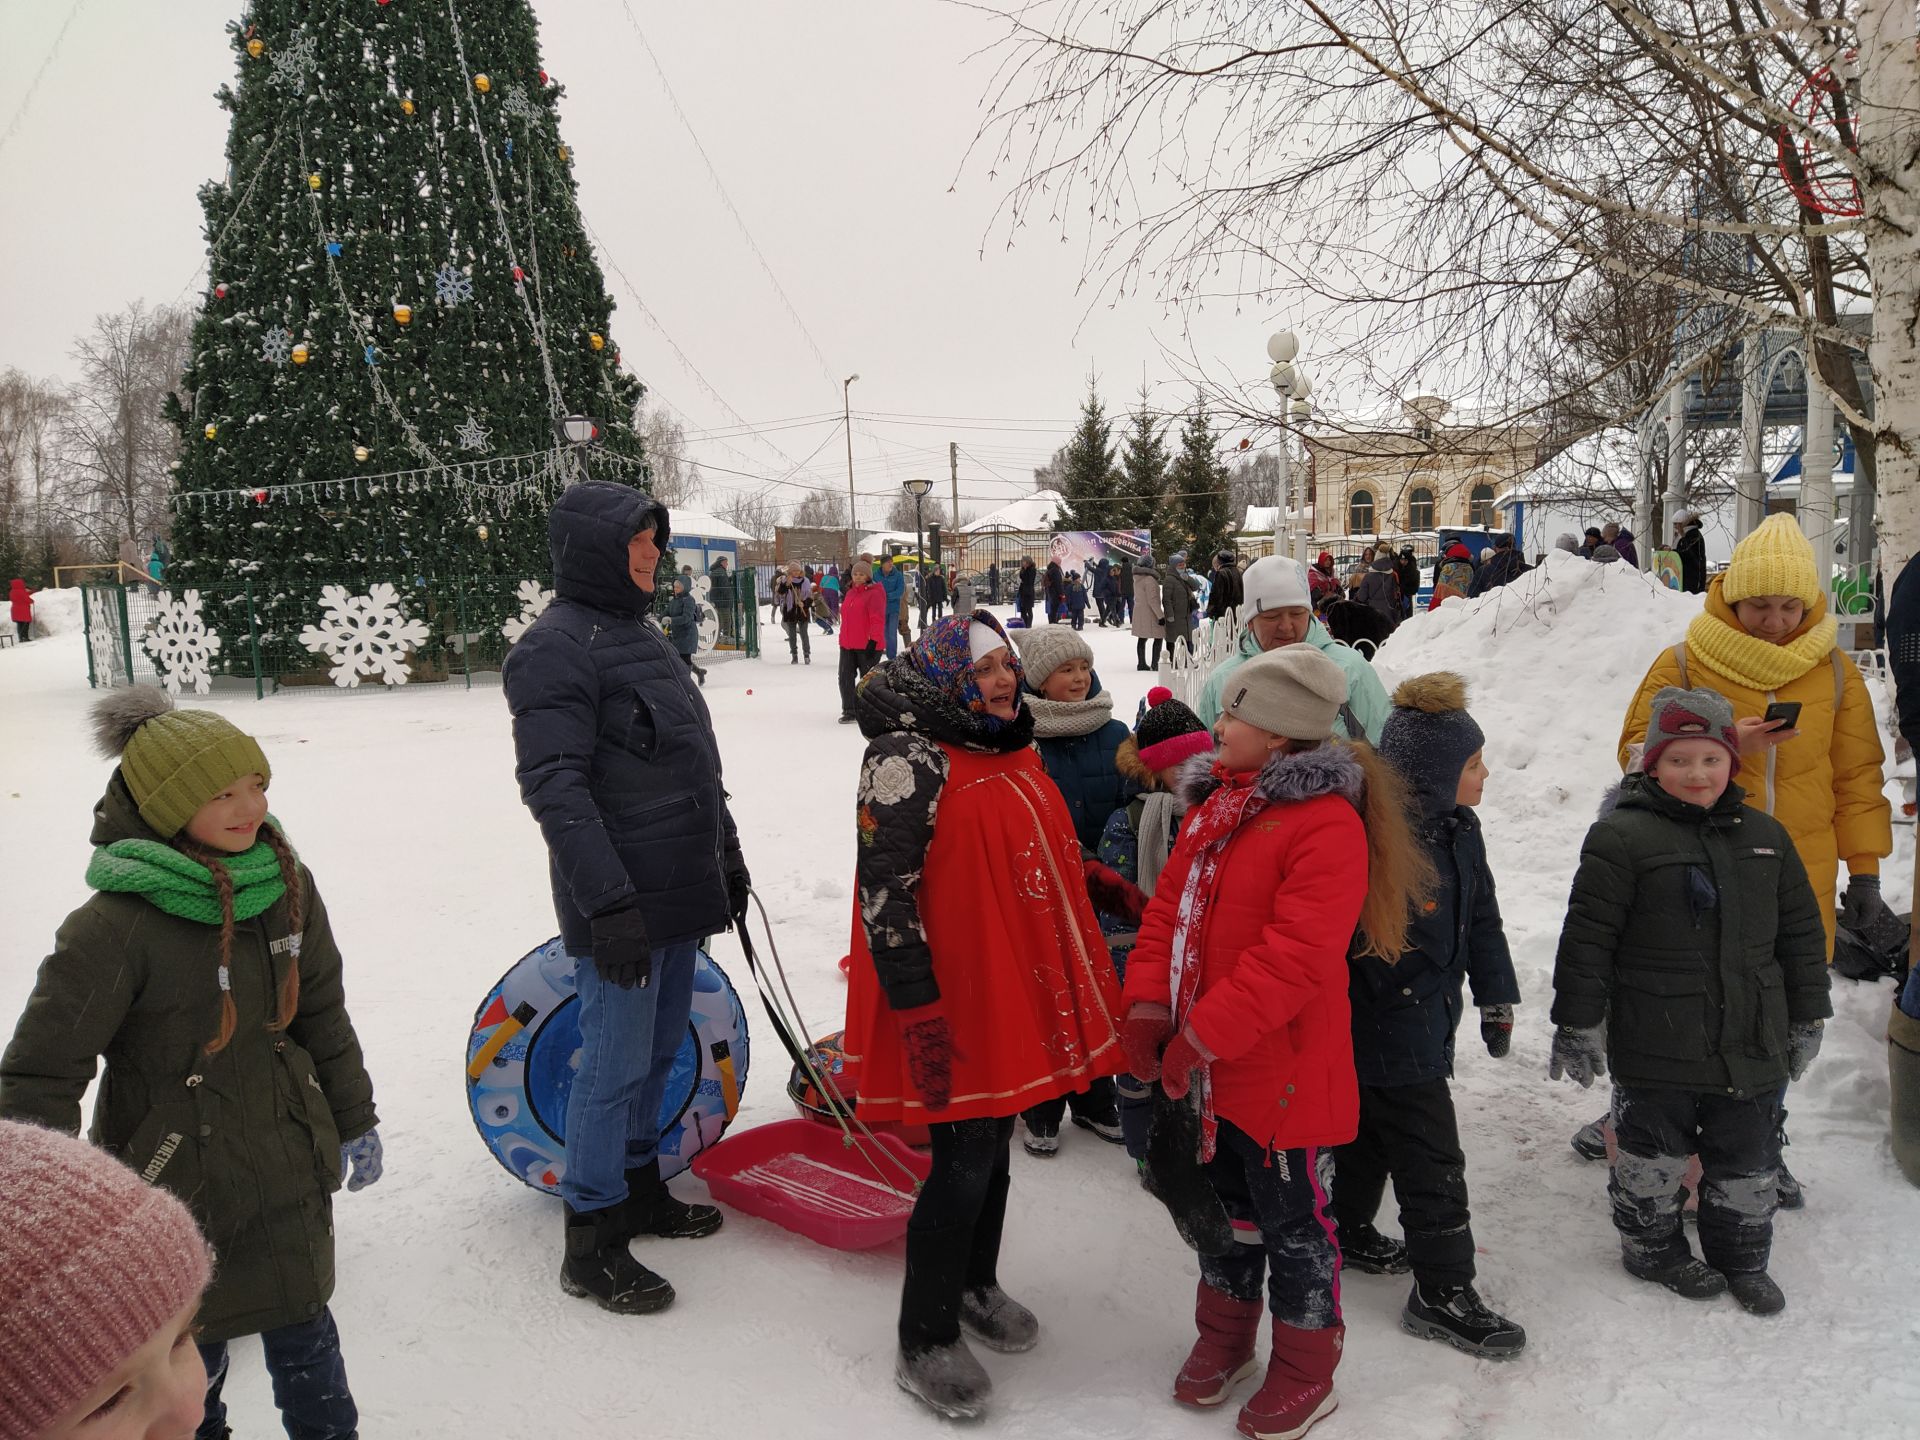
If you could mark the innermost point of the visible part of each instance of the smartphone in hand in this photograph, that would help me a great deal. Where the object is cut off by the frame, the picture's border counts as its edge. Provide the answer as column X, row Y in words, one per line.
column 1784, row 712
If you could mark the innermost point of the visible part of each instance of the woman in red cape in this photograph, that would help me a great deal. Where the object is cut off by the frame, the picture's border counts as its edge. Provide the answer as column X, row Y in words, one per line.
column 979, row 983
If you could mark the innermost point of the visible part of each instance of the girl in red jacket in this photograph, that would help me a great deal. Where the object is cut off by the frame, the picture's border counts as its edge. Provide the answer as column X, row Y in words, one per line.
column 863, row 633
column 1240, row 977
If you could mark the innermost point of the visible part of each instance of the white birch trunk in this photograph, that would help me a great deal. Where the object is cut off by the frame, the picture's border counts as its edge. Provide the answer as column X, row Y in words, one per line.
column 1816, row 479
column 1890, row 150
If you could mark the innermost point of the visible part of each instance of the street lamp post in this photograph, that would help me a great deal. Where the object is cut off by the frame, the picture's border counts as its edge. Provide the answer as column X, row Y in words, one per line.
column 1293, row 387
column 577, row 432
column 846, row 419
column 919, row 489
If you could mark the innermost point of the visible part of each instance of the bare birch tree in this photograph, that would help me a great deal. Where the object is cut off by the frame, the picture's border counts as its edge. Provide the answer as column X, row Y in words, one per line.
column 118, row 444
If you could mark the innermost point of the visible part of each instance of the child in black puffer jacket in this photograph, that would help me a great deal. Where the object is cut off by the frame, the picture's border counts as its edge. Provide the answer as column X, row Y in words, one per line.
column 1405, row 1016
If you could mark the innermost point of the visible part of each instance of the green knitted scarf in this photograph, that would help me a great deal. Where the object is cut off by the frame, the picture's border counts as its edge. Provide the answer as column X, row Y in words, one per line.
column 183, row 886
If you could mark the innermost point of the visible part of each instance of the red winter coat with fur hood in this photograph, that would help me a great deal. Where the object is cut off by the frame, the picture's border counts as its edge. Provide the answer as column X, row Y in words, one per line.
column 1272, row 1000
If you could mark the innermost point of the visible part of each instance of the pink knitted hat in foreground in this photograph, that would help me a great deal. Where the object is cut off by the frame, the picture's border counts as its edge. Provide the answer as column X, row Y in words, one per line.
column 93, row 1262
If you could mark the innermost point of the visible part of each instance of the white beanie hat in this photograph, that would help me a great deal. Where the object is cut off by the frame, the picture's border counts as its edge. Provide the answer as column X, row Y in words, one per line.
column 1276, row 582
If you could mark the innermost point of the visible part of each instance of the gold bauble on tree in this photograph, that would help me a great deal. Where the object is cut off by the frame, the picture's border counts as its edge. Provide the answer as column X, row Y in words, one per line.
column 211, row 431
column 406, row 107
column 403, row 314
column 482, row 533
column 301, row 353
column 482, row 84
column 597, row 340
column 565, row 154
column 361, row 453
column 313, row 181
column 256, row 47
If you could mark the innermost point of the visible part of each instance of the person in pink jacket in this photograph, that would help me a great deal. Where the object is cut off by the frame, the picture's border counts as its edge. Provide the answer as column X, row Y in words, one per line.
column 863, row 633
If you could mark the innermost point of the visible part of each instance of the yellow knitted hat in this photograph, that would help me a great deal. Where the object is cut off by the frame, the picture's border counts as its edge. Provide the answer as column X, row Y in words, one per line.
column 1774, row 560
column 174, row 761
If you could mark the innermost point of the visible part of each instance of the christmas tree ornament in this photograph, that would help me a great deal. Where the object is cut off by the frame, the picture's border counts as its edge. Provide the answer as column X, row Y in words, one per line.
column 313, row 181
column 452, row 285
column 301, row 353
column 519, row 276
column 509, row 147
column 220, row 292
column 597, row 340
column 482, row 84
column 333, row 249
column 276, row 346
column 256, row 47
column 543, row 76
column 361, row 453
column 534, row 599
column 291, row 65
column 181, row 645
column 472, row 435
column 517, row 104
column 211, row 431
column 406, row 107
column 368, row 634
column 565, row 154
column 403, row 314
column 481, row 531
column 259, row 497
column 371, row 354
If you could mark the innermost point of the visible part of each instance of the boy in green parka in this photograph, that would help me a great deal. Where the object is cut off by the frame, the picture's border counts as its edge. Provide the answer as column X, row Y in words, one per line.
column 204, row 970
column 1694, row 962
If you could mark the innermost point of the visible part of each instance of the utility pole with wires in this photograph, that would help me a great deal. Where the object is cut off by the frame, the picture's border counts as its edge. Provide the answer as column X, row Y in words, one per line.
column 953, row 469
column 846, row 419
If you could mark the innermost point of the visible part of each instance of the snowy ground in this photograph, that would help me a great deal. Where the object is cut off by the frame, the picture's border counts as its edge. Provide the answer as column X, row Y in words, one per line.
column 405, row 806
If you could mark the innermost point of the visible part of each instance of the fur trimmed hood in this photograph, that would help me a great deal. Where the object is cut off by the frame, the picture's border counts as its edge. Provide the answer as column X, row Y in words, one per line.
column 1331, row 768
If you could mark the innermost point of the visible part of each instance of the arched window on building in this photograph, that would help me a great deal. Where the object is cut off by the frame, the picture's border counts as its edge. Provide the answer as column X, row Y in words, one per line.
column 1360, row 512
column 1480, row 508
column 1420, row 509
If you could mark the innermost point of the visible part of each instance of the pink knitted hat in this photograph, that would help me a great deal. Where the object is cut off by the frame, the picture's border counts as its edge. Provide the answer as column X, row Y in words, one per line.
column 93, row 1262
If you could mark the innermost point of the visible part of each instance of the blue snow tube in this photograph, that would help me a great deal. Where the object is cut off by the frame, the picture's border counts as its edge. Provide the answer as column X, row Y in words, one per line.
column 525, row 1049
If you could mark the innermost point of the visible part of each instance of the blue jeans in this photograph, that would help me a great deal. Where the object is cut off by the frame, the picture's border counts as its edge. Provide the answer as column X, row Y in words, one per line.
column 309, row 1382
column 893, row 631
column 628, row 1040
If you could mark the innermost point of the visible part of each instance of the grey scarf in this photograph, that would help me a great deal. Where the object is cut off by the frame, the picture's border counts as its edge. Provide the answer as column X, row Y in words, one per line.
column 1055, row 718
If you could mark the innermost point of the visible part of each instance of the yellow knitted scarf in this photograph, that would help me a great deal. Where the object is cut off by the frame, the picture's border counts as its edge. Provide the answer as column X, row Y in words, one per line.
column 1758, row 664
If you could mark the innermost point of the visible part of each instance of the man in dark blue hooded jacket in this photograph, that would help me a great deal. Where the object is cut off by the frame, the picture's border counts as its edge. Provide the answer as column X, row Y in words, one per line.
column 618, row 763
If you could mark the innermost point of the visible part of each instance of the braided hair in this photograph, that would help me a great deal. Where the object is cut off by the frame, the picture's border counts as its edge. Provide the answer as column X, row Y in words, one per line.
column 296, row 924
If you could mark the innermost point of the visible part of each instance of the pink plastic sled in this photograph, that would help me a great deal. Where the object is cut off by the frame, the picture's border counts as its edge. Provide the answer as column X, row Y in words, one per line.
column 806, row 1177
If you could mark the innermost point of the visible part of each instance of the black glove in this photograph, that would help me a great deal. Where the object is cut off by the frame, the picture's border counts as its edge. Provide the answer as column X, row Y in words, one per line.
column 1803, row 1043
column 1496, row 1029
column 620, row 951
column 873, row 647
column 1868, row 916
column 739, row 883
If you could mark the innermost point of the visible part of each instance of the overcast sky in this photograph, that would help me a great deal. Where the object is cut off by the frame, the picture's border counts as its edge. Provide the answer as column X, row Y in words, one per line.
column 837, row 129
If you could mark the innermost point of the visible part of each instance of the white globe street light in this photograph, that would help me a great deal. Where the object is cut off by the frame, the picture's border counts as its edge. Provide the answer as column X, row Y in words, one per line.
column 1282, row 346
column 1290, row 382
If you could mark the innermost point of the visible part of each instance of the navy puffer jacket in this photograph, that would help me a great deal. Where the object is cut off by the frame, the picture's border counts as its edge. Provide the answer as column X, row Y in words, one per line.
column 1405, row 1015
column 1078, row 741
column 616, row 754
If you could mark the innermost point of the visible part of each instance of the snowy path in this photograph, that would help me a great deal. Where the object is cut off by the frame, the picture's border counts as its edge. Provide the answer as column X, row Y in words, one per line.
column 404, row 804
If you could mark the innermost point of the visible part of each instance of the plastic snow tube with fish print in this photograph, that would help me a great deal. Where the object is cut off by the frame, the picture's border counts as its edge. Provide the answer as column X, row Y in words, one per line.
column 525, row 1049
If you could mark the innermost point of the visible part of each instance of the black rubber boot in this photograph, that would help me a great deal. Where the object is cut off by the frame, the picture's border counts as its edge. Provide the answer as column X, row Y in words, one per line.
column 653, row 1210
column 1458, row 1317
column 1365, row 1249
column 598, row 1265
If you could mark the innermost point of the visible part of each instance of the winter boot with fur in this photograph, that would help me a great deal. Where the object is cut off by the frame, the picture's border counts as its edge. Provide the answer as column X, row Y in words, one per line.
column 1365, row 1249
column 1223, row 1355
column 599, row 1266
column 1298, row 1390
column 653, row 1210
column 1460, row 1318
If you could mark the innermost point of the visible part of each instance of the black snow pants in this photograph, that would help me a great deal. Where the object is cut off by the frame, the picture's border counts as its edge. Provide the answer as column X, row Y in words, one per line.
column 1410, row 1133
column 953, row 1239
column 1277, row 1202
column 1738, row 1142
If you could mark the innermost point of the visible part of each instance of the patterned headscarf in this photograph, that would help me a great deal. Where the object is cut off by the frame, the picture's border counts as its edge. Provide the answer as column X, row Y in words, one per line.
column 944, row 657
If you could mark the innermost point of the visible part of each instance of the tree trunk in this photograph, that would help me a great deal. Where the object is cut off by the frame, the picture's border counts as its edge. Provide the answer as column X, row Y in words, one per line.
column 1890, row 97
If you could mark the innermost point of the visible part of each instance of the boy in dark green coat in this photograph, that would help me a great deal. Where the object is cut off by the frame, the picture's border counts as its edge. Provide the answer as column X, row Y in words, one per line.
column 204, row 971
column 1694, row 962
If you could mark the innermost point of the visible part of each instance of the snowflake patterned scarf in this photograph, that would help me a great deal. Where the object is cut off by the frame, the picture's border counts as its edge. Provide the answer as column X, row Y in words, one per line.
column 182, row 886
column 1207, row 828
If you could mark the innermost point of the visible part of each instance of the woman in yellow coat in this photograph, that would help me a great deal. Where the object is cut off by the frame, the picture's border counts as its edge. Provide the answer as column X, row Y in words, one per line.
column 1765, row 636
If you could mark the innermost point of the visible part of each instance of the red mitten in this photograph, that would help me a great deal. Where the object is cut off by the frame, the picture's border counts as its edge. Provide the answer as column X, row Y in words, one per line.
column 1142, row 1033
column 1185, row 1055
column 1112, row 893
column 928, row 1040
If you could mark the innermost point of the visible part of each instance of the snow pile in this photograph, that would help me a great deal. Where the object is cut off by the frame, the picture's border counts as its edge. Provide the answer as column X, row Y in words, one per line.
column 1552, row 663
column 56, row 612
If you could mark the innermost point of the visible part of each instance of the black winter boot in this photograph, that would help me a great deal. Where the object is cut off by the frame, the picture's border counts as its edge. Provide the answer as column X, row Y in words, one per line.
column 1365, row 1249
column 652, row 1209
column 1590, row 1141
column 1042, row 1137
column 1756, row 1292
column 1689, row 1277
column 1458, row 1317
column 1097, row 1108
column 599, row 1266
column 935, row 1365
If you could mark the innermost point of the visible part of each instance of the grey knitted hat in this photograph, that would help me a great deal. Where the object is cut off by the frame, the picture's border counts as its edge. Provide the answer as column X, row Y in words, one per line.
column 1294, row 691
column 1045, row 648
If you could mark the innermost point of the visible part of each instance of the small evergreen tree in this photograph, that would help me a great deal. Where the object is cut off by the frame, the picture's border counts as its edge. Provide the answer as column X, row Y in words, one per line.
column 1089, row 482
column 1202, row 511
column 1143, row 478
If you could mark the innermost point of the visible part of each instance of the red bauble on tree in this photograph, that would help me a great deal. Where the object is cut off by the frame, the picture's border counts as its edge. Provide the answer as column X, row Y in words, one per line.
column 220, row 292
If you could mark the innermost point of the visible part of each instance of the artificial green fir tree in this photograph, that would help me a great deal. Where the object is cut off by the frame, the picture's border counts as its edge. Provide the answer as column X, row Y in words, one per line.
column 398, row 281
column 1089, row 484
column 1202, row 511
column 1143, row 478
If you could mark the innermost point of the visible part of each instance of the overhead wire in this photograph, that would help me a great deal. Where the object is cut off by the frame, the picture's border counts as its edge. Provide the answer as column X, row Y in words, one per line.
column 33, row 85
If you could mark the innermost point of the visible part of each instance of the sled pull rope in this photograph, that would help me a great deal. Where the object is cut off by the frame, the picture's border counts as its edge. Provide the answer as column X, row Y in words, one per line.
column 785, row 1021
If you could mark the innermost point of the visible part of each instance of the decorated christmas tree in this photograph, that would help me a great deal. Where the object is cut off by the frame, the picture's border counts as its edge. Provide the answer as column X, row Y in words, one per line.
column 401, row 303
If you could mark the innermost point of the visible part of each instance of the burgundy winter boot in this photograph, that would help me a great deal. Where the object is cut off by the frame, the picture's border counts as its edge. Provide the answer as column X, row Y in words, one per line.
column 1223, row 1355
column 1298, row 1390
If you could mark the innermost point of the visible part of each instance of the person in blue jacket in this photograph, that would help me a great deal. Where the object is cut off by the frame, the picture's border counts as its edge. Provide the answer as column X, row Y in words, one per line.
column 683, row 624
column 1078, row 740
column 1405, row 1015
column 616, row 758
column 893, row 584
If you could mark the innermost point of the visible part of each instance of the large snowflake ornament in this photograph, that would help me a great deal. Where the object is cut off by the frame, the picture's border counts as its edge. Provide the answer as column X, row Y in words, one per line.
column 292, row 65
column 103, row 642
column 181, row 645
column 534, row 599
column 472, row 435
column 452, row 285
column 517, row 103
column 709, row 617
column 276, row 346
column 366, row 635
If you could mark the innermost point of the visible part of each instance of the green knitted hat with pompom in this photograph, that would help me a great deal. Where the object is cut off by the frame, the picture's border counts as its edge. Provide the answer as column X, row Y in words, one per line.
column 174, row 761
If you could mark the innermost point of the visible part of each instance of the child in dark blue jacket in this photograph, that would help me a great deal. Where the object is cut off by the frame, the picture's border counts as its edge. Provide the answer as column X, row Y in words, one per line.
column 1405, row 1016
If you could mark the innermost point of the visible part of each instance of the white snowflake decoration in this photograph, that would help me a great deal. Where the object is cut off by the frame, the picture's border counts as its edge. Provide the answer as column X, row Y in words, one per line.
column 517, row 104
column 181, row 645
column 366, row 634
column 103, row 641
column 709, row 617
column 291, row 65
column 472, row 435
column 534, row 599
column 276, row 346
column 452, row 285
